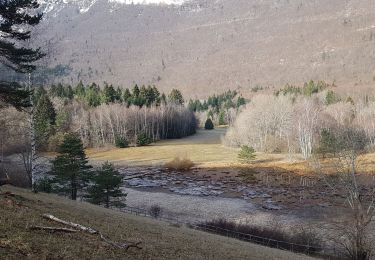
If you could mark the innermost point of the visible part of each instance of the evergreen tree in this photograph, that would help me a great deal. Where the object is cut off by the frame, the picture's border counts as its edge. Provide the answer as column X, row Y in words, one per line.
column 16, row 17
column 136, row 99
column 45, row 117
column 70, row 167
column 93, row 95
column 150, row 96
column 127, row 97
column 80, row 90
column 208, row 125
column 222, row 118
column 328, row 143
column 68, row 92
column 109, row 94
column 175, row 97
column 142, row 96
column 157, row 98
column 247, row 154
column 118, row 95
column 106, row 188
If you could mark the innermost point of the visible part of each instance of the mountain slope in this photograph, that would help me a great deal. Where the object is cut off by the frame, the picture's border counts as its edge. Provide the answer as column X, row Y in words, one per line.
column 159, row 240
column 210, row 45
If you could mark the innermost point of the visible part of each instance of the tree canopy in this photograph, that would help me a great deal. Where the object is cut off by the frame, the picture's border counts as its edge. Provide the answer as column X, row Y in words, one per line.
column 15, row 21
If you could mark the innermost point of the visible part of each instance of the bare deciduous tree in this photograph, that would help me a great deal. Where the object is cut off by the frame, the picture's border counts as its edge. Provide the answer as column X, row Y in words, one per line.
column 341, row 173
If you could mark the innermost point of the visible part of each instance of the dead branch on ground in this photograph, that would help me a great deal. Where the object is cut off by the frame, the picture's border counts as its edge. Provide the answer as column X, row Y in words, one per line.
column 90, row 230
column 53, row 229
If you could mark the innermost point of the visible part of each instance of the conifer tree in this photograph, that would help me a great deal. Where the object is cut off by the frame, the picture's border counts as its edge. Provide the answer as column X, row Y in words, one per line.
column 45, row 117
column 109, row 94
column 93, row 95
column 118, row 94
column 208, row 125
column 80, row 90
column 127, row 97
column 247, row 154
column 15, row 21
column 176, row 97
column 70, row 168
column 106, row 188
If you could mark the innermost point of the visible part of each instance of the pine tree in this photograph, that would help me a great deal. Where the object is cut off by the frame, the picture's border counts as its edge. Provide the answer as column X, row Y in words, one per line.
column 157, row 98
column 109, row 94
column 70, row 167
column 106, row 188
column 328, row 143
column 208, row 125
column 68, row 92
column 222, row 118
column 175, row 97
column 16, row 19
column 118, row 94
column 80, row 90
column 93, row 95
column 45, row 117
column 127, row 97
column 247, row 154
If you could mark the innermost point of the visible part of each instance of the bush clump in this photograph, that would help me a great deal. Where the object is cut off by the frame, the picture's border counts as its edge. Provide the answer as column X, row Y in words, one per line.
column 143, row 139
column 247, row 154
column 300, row 240
column 155, row 211
column 180, row 164
column 121, row 142
column 209, row 125
column 44, row 185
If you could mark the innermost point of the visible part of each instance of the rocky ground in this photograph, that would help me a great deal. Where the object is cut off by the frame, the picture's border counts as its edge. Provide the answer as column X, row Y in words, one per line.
column 214, row 193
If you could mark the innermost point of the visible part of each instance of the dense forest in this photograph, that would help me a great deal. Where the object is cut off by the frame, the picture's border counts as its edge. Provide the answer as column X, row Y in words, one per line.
column 102, row 116
column 221, row 109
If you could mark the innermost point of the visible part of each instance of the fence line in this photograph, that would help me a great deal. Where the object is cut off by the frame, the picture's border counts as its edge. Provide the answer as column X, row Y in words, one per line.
column 282, row 245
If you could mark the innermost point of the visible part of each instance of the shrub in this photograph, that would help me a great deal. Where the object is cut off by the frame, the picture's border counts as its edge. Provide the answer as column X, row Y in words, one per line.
column 155, row 211
column 247, row 154
column 181, row 164
column 208, row 125
column 143, row 139
column 121, row 142
column 44, row 185
column 299, row 240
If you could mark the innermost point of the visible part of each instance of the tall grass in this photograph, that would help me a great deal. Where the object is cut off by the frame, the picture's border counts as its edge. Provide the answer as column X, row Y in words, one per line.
column 180, row 164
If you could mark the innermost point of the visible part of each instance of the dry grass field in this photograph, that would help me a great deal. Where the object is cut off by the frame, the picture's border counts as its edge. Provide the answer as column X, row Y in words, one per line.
column 206, row 151
column 19, row 209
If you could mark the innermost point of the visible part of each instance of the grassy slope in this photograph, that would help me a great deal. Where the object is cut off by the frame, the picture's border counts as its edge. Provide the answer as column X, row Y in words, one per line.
column 160, row 240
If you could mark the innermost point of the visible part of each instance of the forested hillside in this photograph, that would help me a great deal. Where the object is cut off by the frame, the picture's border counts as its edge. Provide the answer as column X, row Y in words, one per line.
column 208, row 46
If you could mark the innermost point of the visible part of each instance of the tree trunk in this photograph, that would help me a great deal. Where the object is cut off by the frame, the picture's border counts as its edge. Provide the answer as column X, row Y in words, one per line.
column 33, row 162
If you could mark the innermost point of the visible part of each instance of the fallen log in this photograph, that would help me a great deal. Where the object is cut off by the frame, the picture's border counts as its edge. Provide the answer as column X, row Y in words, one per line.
column 71, row 224
column 53, row 229
column 125, row 245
